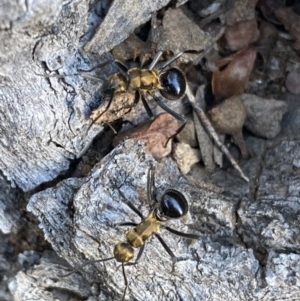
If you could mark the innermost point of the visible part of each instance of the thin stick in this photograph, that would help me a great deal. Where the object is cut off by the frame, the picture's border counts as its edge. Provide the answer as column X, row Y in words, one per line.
column 205, row 121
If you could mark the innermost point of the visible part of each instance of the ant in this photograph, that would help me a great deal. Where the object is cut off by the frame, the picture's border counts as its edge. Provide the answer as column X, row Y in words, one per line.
column 170, row 83
column 173, row 205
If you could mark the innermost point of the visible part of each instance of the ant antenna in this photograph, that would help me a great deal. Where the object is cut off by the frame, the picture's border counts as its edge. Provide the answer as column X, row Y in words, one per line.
column 170, row 61
column 75, row 74
column 83, row 265
column 100, row 260
column 155, row 60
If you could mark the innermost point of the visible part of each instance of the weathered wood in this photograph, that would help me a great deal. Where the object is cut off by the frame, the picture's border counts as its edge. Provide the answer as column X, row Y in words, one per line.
column 99, row 207
column 225, row 254
column 43, row 119
column 249, row 246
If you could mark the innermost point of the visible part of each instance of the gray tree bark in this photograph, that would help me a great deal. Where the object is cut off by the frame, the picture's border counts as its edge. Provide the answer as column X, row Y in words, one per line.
column 249, row 247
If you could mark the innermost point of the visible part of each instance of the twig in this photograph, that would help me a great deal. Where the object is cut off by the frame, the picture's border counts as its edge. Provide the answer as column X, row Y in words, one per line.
column 205, row 121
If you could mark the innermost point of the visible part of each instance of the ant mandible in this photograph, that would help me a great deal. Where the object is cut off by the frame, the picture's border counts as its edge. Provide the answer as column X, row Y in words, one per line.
column 173, row 205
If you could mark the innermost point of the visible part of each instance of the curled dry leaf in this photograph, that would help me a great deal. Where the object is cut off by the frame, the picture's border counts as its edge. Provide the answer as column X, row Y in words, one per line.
column 291, row 22
column 110, row 112
column 156, row 134
column 228, row 118
column 233, row 80
column 241, row 34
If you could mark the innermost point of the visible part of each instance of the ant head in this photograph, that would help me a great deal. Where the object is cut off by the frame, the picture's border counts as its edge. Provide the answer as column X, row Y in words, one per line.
column 173, row 84
column 173, row 205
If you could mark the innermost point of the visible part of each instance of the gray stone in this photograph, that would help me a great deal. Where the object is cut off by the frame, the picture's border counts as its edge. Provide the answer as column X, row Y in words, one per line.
column 263, row 115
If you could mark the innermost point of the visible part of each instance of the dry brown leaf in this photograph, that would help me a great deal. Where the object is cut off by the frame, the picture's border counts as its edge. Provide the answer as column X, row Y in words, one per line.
column 241, row 34
column 155, row 134
column 291, row 22
column 233, row 80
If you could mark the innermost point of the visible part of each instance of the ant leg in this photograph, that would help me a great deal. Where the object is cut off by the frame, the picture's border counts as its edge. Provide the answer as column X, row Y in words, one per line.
column 155, row 60
column 174, row 258
column 131, row 224
column 168, row 110
column 182, row 234
column 122, row 66
column 83, row 265
column 125, row 281
column 139, row 255
column 170, row 61
column 151, row 195
column 111, row 127
column 111, row 96
column 131, row 206
column 146, row 106
column 171, row 112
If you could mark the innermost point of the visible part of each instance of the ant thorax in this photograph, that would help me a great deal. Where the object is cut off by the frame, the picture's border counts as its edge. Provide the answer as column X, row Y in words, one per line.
column 138, row 235
column 143, row 79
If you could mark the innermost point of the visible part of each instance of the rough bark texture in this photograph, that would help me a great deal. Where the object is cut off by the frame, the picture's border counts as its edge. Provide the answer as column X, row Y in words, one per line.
column 122, row 18
column 99, row 207
column 44, row 119
column 249, row 246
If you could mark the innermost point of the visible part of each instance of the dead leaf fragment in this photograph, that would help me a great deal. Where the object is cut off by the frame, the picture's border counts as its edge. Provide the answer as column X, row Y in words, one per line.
column 233, row 80
column 186, row 156
column 241, row 34
column 155, row 134
column 291, row 22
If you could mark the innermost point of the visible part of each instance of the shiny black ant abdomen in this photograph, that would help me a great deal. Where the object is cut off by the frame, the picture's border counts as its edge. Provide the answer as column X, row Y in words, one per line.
column 173, row 205
column 173, row 84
